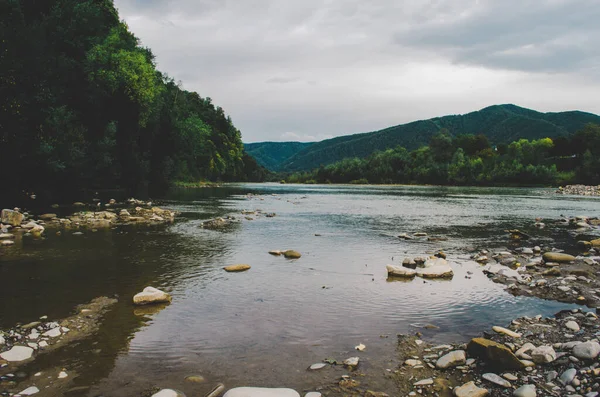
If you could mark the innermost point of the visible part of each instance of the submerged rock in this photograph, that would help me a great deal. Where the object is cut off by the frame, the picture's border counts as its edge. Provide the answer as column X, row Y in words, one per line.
column 261, row 392
column 236, row 268
column 151, row 295
column 436, row 268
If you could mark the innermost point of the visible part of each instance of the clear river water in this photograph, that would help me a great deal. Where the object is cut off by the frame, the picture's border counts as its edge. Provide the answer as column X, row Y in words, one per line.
column 264, row 327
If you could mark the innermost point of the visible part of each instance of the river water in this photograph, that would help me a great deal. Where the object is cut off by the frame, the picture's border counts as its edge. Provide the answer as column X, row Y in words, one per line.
column 264, row 327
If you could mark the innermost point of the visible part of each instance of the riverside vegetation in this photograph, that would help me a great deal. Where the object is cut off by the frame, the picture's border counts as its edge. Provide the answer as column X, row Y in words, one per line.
column 472, row 160
column 83, row 106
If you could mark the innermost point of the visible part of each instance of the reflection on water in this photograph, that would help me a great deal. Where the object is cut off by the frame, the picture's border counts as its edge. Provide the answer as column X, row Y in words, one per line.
column 266, row 325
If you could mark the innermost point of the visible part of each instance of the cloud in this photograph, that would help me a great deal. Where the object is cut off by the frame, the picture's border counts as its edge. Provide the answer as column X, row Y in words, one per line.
column 333, row 67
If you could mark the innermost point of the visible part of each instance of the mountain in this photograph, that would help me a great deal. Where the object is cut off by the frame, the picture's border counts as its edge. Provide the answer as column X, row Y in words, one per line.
column 502, row 124
column 272, row 154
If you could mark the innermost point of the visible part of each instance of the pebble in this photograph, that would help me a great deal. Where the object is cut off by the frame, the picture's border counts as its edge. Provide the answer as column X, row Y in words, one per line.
column 352, row 361
column 317, row 366
column 568, row 376
column 572, row 325
column 587, row 350
column 424, row 382
column 505, row 331
column 29, row 391
column 496, row 379
column 260, row 392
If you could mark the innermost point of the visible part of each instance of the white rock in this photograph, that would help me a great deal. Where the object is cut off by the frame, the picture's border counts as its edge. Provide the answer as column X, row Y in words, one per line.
column 424, row 382
column 168, row 393
column 439, row 269
column 151, row 295
column 43, row 344
column 496, row 379
column 452, row 359
column 411, row 363
column 587, row 350
column 572, row 325
column 360, row 347
column 505, row 331
column 313, row 394
column 524, row 349
column 352, row 361
column 260, row 392
column 470, row 390
column 17, row 353
column 525, row 391
column 53, row 333
column 543, row 354
column 62, row 375
column 317, row 366
column 2, row 341
column 400, row 271
column 29, row 391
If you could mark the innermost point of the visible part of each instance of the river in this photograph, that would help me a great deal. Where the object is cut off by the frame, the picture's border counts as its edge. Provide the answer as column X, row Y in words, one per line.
column 264, row 327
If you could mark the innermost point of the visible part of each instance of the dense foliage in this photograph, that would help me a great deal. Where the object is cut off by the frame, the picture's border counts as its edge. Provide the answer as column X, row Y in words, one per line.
column 471, row 160
column 501, row 124
column 272, row 155
column 83, row 106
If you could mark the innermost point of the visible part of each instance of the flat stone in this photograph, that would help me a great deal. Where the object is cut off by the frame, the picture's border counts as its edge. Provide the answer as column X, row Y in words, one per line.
column 317, row 366
column 17, row 353
column 412, row 362
column 236, row 268
column 587, row 350
column 424, row 382
column 313, row 394
column 525, row 391
column 558, row 257
column 151, row 295
column 439, row 268
column 53, row 333
column 452, row 359
column 275, row 252
column 506, row 331
column 470, row 390
column 29, row 391
column 510, row 377
column 524, row 349
column 400, row 271
column 260, row 392
column 491, row 377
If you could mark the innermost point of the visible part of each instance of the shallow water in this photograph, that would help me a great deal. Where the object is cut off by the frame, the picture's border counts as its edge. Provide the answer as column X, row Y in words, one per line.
column 263, row 327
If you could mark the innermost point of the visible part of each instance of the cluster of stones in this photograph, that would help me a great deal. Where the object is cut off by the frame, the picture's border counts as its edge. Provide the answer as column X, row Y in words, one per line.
column 546, row 272
column 14, row 223
column 432, row 267
column 21, row 344
column 580, row 190
column 552, row 356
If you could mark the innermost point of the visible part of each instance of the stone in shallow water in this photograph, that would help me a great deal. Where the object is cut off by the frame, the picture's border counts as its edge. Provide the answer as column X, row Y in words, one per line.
column 400, row 271
column 237, row 268
column 17, row 353
column 151, row 295
column 352, row 361
column 260, row 392
column 317, row 366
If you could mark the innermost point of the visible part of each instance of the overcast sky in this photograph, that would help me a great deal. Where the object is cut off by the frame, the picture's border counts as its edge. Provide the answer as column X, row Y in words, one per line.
column 313, row 69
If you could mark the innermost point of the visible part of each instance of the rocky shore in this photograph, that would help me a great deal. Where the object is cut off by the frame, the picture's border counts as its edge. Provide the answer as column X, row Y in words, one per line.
column 15, row 223
column 580, row 190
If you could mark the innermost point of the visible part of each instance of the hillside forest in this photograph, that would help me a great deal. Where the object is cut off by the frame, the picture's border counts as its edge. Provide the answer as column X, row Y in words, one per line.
column 83, row 106
column 472, row 160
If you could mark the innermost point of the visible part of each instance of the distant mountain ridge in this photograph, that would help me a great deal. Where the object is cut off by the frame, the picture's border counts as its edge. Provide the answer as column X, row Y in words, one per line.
column 500, row 123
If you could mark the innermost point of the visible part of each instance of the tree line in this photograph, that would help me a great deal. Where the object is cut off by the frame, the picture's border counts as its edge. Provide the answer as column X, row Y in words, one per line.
column 472, row 160
column 82, row 105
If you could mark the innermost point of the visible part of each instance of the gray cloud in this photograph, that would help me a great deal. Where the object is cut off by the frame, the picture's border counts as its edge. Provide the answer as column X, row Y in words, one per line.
column 321, row 68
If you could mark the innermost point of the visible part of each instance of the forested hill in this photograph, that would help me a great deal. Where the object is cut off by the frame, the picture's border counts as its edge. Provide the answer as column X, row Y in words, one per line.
column 273, row 154
column 502, row 124
column 83, row 106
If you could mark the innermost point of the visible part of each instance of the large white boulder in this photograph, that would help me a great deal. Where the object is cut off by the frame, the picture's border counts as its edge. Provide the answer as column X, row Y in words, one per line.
column 17, row 353
column 151, row 295
column 260, row 392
